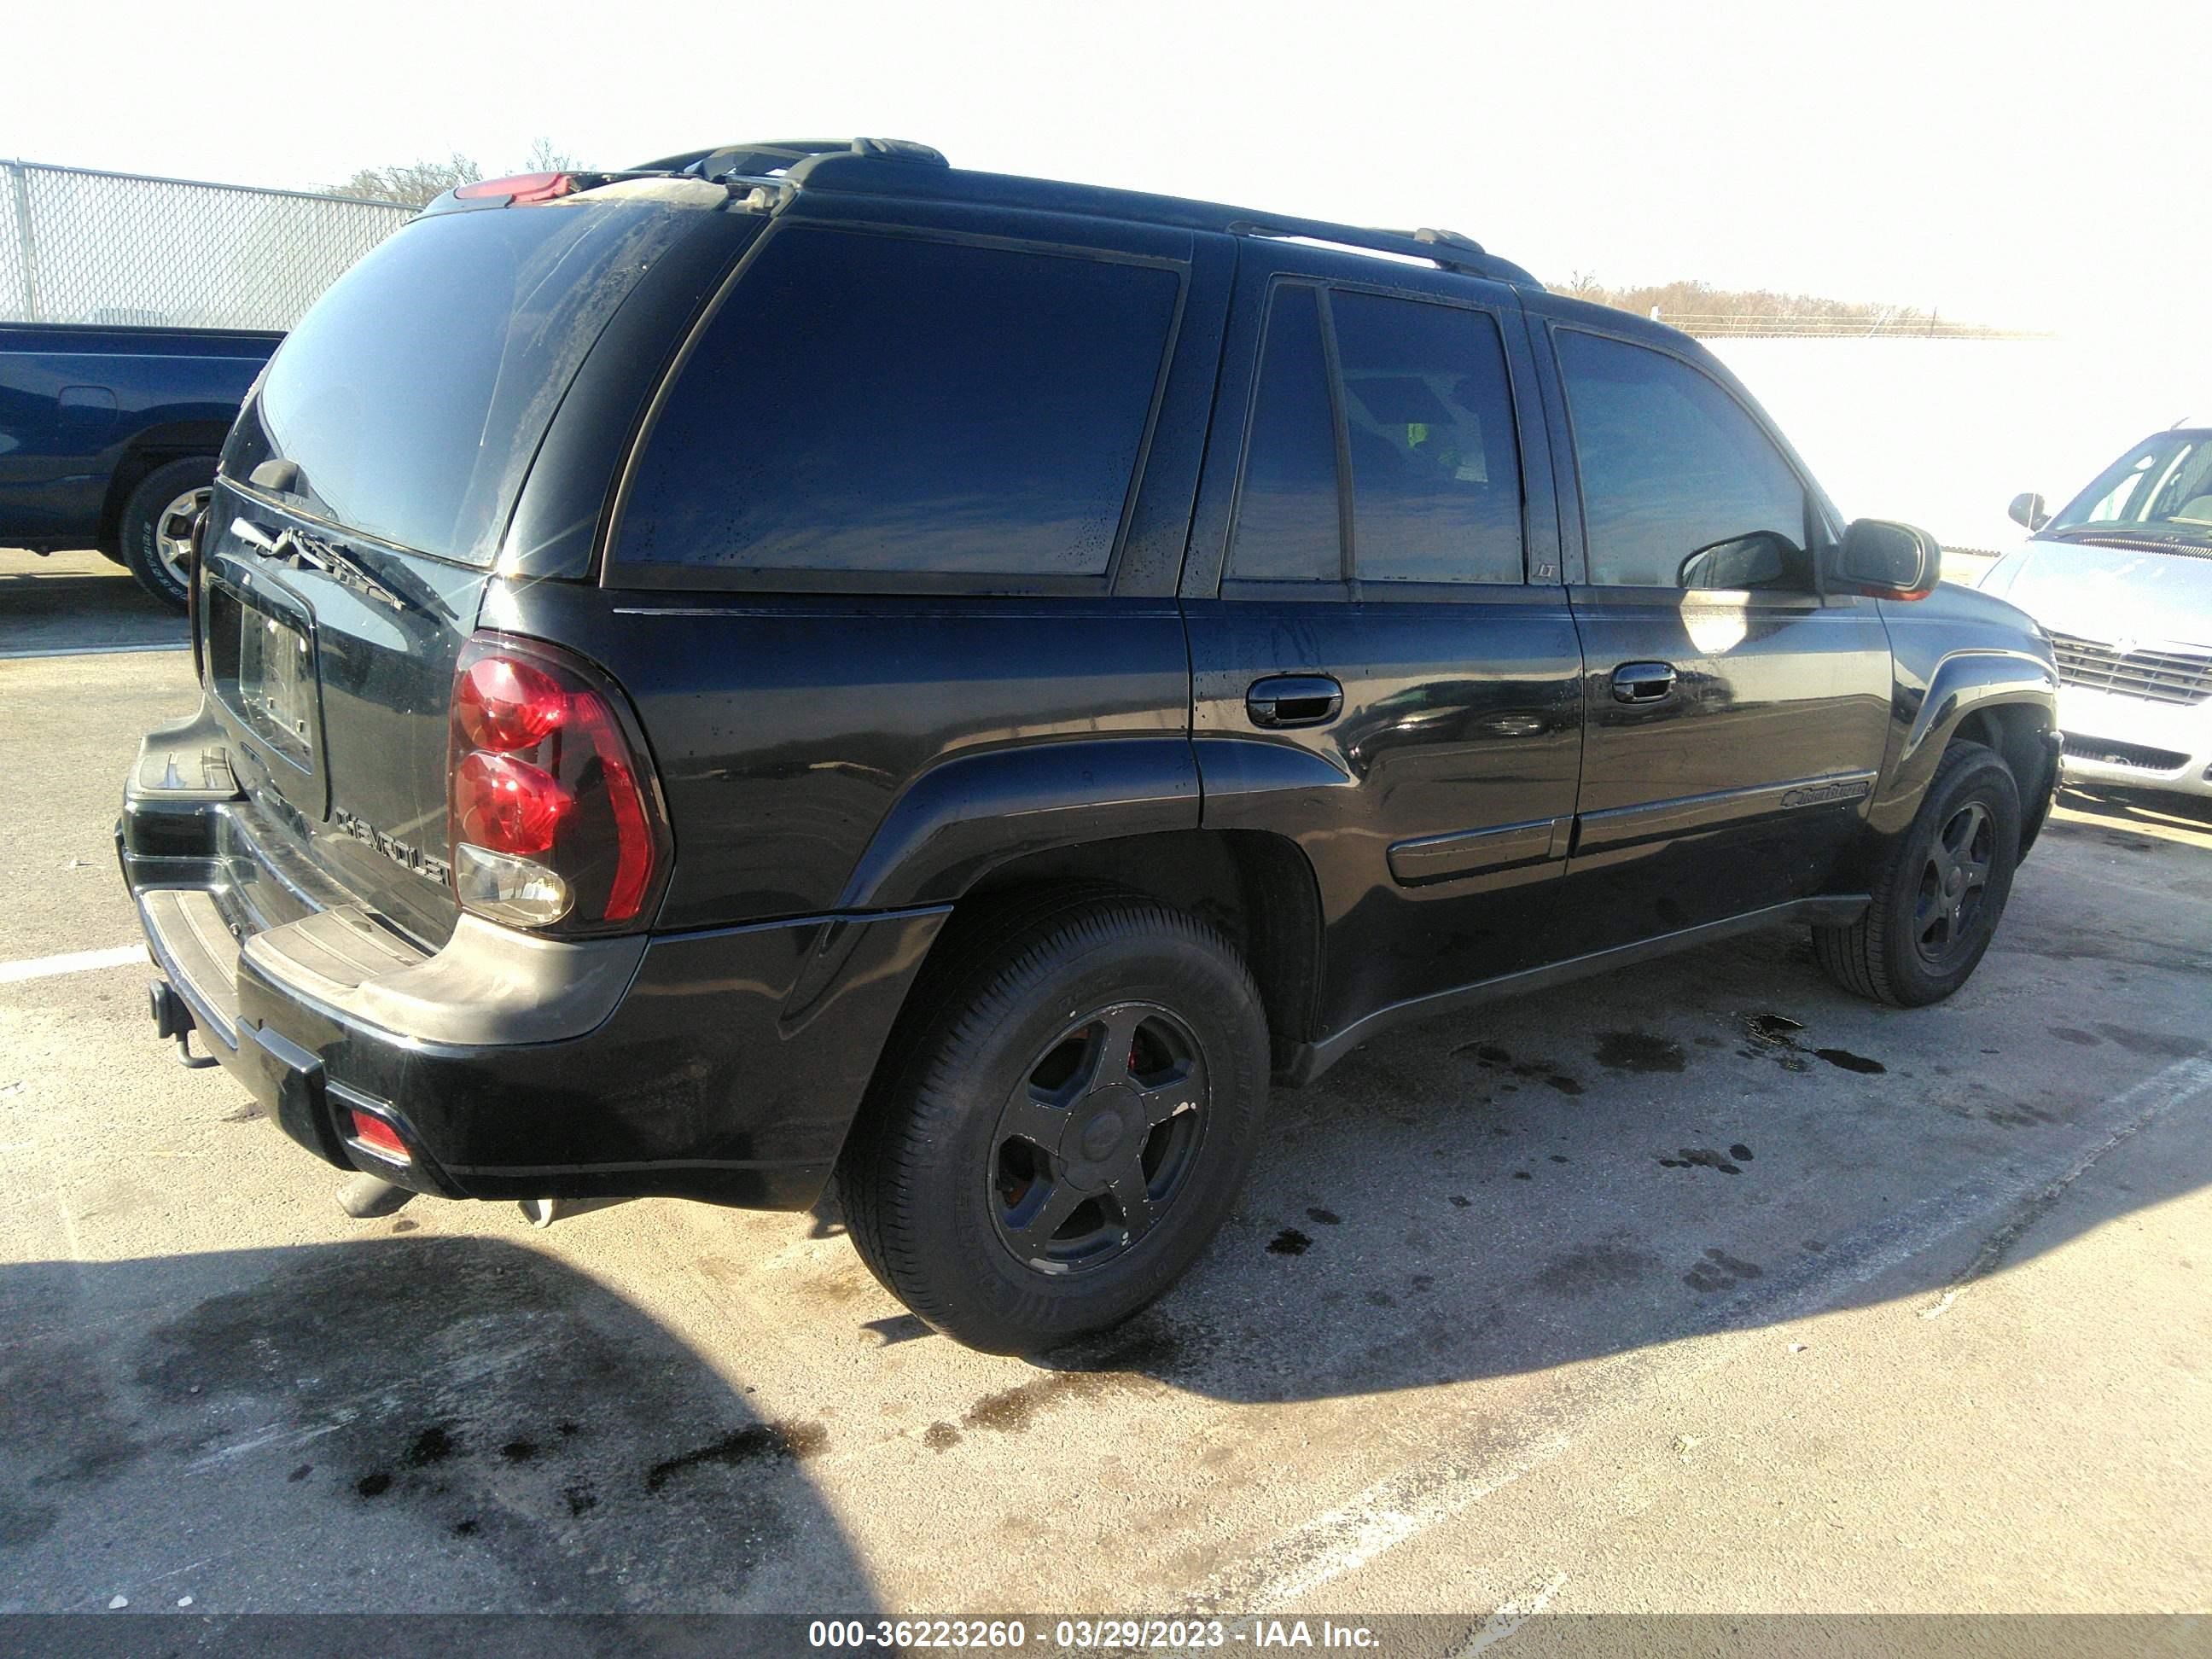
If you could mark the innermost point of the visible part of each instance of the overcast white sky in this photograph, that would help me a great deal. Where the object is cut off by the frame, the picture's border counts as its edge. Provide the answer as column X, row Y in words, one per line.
column 2036, row 166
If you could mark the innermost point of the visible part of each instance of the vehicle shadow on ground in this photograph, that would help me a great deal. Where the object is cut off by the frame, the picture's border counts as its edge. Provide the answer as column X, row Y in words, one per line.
column 78, row 601
column 2187, row 818
column 409, row 1424
column 1476, row 1198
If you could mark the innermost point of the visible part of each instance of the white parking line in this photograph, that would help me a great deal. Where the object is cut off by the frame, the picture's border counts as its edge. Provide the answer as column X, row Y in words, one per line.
column 76, row 962
column 94, row 650
column 1441, row 1488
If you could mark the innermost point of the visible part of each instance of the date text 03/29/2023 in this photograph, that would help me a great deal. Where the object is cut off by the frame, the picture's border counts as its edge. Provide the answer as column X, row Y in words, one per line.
column 1076, row 1635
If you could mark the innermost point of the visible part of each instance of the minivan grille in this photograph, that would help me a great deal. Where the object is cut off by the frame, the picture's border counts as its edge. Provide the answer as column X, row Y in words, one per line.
column 2141, row 756
column 2166, row 675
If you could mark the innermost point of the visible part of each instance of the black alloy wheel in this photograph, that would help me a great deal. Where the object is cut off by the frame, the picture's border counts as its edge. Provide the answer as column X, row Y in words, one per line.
column 1937, row 890
column 1062, row 1117
column 1953, row 883
column 1098, row 1139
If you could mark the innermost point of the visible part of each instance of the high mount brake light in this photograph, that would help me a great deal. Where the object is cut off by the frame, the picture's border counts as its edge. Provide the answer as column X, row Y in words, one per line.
column 521, row 189
column 551, row 814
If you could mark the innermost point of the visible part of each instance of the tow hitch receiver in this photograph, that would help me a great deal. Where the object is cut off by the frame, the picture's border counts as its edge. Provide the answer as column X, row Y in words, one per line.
column 173, row 1018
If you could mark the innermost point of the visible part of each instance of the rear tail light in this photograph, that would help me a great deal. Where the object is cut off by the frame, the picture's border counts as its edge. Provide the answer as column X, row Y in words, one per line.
column 553, row 818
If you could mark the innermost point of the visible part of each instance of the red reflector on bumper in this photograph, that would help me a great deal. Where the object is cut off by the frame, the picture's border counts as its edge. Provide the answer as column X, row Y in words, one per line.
column 379, row 1136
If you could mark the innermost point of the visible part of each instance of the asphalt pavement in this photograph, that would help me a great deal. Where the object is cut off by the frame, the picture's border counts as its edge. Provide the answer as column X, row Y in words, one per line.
column 1701, row 1287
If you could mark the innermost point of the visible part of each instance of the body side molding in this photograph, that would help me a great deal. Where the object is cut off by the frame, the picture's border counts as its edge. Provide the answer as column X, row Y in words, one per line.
column 1307, row 1060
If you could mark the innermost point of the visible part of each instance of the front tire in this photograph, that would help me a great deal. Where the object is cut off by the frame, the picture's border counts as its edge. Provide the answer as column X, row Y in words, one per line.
column 1938, row 892
column 1064, row 1122
column 157, row 525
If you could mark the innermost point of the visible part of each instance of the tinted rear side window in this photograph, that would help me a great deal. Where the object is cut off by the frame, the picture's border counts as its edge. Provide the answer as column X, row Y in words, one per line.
column 413, row 395
column 1436, row 469
column 1287, row 524
column 875, row 404
column 1670, row 464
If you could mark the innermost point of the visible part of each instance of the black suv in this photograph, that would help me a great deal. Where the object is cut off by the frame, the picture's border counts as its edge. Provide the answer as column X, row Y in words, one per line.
column 796, row 663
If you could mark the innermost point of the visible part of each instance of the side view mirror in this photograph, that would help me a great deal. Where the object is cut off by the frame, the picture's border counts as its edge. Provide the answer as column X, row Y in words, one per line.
column 1887, row 561
column 1759, row 560
column 2028, row 511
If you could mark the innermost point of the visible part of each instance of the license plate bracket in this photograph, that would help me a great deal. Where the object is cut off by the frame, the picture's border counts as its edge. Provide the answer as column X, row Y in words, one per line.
column 262, row 665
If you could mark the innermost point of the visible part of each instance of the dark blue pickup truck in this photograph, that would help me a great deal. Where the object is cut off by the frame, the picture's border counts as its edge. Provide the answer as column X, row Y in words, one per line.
column 108, row 437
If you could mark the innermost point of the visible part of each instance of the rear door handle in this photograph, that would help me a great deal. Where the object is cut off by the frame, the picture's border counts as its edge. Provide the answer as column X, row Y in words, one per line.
column 1642, row 682
column 1282, row 699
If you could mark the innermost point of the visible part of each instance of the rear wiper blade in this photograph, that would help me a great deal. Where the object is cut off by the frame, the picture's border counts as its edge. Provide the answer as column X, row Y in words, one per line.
column 341, row 564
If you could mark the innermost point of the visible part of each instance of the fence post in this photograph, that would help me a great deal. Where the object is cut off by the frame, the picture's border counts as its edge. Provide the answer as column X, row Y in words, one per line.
column 26, row 244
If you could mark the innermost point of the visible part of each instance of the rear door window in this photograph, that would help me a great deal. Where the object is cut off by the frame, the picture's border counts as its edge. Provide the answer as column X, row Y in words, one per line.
column 1288, row 523
column 1436, row 471
column 1671, row 466
column 868, row 406
column 1415, row 396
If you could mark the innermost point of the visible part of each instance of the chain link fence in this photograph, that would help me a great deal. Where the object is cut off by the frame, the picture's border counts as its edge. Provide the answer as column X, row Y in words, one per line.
column 127, row 251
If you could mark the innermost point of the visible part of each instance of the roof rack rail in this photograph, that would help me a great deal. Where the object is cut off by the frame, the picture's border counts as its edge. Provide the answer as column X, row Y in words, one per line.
column 786, row 166
column 779, row 155
column 1446, row 248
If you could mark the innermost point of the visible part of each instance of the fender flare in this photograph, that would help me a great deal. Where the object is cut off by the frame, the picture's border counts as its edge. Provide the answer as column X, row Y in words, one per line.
column 1964, row 682
column 971, row 812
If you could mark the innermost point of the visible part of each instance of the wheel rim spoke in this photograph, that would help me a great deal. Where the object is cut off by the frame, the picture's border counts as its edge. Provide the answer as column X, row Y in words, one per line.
column 1181, row 1091
column 1134, row 1199
column 1107, row 1062
column 173, row 530
column 1035, row 1230
column 1034, row 1118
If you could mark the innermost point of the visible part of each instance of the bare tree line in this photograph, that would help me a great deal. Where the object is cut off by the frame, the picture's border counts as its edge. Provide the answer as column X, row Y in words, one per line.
column 418, row 182
column 1701, row 308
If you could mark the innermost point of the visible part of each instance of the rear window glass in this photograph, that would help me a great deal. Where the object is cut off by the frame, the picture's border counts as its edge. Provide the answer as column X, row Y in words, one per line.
column 413, row 395
column 873, row 405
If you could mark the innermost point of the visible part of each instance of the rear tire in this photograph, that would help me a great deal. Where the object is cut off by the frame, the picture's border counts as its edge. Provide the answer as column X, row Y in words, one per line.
column 1939, row 891
column 1062, row 1122
column 157, row 522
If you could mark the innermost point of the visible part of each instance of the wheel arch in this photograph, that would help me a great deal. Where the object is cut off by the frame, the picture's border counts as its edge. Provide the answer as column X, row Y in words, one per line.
column 149, row 449
column 2007, row 699
column 1258, row 888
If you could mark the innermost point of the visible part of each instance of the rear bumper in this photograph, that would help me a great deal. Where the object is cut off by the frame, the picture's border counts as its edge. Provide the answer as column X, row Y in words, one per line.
column 724, row 1065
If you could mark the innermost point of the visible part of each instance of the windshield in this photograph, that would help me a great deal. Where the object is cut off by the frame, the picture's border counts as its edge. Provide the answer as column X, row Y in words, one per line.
column 2159, row 491
column 411, row 398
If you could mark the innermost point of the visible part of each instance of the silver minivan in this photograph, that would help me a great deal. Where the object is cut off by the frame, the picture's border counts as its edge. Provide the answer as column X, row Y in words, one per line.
column 2121, row 578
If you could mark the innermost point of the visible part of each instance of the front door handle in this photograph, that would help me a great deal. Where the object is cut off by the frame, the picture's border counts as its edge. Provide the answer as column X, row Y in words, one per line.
column 1642, row 682
column 1283, row 700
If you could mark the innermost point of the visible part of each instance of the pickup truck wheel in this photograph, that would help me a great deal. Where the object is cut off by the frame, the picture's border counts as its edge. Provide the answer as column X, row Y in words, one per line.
column 1064, row 1122
column 1939, row 892
column 157, row 525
